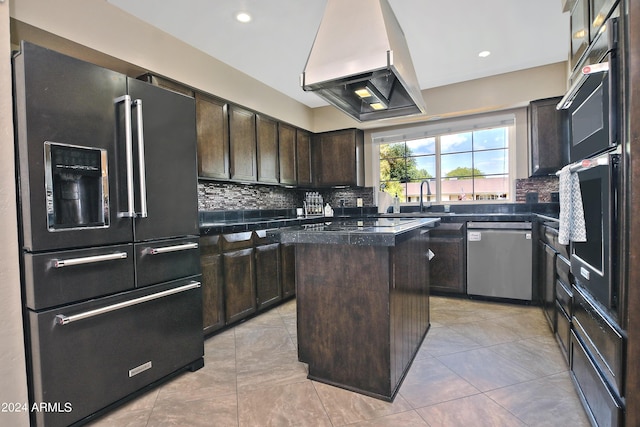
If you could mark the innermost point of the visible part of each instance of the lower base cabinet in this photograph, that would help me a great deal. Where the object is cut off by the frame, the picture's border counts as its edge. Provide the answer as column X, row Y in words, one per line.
column 212, row 280
column 243, row 273
column 447, row 268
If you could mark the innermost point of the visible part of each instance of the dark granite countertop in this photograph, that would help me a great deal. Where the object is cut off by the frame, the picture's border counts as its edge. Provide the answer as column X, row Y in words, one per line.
column 364, row 231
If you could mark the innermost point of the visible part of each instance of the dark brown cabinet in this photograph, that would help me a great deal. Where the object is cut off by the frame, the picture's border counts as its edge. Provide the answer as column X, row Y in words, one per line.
column 242, row 142
column 549, row 146
column 268, row 279
column 338, row 158
column 288, row 269
column 447, row 268
column 287, row 144
column 212, row 281
column 303, row 158
column 212, row 127
column 267, row 145
column 239, row 275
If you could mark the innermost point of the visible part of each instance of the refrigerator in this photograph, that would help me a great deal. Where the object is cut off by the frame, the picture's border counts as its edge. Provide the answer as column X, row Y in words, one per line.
column 107, row 187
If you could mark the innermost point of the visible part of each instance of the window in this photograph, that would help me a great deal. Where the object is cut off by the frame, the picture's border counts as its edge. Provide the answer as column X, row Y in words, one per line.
column 470, row 165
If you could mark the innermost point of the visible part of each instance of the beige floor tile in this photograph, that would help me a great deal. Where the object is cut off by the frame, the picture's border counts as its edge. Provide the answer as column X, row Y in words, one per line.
column 543, row 402
column 486, row 370
column 345, row 407
column 476, row 411
column 429, row 382
column 295, row 404
column 481, row 364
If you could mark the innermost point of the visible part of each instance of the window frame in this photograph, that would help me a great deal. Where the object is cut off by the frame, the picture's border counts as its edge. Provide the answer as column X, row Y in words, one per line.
column 439, row 129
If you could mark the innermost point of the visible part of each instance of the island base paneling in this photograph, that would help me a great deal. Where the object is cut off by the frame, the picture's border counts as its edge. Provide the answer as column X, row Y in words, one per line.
column 363, row 312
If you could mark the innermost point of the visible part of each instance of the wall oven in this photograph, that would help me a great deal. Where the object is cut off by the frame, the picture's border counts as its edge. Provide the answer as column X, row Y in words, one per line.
column 591, row 101
column 593, row 262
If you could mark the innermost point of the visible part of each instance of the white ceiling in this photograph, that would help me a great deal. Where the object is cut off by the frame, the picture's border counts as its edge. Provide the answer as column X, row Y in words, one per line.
column 444, row 36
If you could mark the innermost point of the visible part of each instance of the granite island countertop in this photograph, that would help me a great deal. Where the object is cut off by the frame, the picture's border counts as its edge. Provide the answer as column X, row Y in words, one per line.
column 364, row 231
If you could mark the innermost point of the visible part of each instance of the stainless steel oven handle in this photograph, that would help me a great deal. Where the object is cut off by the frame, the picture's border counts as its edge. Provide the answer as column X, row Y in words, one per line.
column 141, row 160
column 130, row 212
column 59, row 263
column 176, row 248
column 61, row 319
column 587, row 70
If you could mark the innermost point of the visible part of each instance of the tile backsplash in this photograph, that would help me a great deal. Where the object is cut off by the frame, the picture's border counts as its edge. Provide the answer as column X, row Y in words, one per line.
column 542, row 185
column 214, row 196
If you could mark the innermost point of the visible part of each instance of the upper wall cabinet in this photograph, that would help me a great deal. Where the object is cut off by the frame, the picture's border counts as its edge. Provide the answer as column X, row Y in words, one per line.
column 549, row 149
column 212, row 127
column 267, row 140
column 338, row 158
column 287, row 144
column 243, row 149
column 303, row 158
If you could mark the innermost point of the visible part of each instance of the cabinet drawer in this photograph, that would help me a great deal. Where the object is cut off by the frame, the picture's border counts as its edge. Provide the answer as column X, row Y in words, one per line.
column 261, row 238
column 601, row 338
column 64, row 277
column 447, row 229
column 602, row 406
column 564, row 297
column 210, row 245
column 235, row 241
column 563, row 269
column 563, row 330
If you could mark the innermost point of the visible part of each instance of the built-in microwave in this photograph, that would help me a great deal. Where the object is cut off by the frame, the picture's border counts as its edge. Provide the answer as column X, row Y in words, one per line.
column 591, row 102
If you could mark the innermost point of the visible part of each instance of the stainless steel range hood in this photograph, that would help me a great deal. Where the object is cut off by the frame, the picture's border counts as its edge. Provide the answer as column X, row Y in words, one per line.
column 360, row 62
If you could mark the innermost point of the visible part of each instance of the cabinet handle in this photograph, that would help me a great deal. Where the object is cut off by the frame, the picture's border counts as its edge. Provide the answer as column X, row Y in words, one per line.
column 176, row 248
column 61, row 319
column 430, row 254
column 59, row 263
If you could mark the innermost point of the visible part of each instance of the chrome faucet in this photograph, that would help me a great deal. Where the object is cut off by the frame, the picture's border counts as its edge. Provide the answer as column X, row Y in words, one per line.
column 421, row 194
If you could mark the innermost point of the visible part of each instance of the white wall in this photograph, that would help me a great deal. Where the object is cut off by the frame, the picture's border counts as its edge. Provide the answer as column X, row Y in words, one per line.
column 12, row 358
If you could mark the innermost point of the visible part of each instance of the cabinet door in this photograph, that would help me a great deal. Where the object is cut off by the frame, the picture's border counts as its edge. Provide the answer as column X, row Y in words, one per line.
column 336, row 157
column 239, row 284
column 267, row 140
column 549, row 148
column 212, row 126
column 212, row 279
column 287, row 143
column 288, row 270
column 303, row 157
column 268, row 283
column 447, row 267
column 242, row 137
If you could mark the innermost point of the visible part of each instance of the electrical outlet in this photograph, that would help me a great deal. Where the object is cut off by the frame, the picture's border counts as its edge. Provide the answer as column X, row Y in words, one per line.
column 359, row 202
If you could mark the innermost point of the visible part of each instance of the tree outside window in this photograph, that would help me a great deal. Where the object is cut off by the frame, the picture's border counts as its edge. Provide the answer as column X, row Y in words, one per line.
column 468, row 166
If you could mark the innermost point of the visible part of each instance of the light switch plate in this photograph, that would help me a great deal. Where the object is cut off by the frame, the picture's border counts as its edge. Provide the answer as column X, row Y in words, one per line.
column 359, row 202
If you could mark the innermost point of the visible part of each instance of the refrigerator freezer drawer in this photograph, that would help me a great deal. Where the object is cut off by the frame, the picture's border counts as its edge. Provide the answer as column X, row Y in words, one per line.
column 162, row 260
column 64, row 277
column 89, row 355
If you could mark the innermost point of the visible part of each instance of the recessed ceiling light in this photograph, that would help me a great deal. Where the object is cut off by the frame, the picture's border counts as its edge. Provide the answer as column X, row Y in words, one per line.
column 243, row 17
column 484, row 54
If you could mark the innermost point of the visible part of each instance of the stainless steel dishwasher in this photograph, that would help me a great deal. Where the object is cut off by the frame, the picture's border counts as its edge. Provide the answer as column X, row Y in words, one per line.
column 499, row 259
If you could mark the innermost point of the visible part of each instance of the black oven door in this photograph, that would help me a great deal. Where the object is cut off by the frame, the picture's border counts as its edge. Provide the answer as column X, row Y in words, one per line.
column 593, row 261
column 592, row 116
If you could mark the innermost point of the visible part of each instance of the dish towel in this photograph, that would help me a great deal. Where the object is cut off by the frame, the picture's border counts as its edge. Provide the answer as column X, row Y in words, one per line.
column 572, row 225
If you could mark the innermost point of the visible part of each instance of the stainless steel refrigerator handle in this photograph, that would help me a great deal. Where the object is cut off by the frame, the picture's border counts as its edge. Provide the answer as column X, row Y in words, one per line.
column 166, row 249
column 130, row 212
column 59, row 263
column 61, row 319
column 141, row 165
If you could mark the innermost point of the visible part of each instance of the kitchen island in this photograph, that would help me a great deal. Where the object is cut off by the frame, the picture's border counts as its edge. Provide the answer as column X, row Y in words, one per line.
column 362, row 299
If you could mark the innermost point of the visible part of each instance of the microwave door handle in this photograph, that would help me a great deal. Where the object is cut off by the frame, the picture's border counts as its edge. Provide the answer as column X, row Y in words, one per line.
column 141, row 159
column 130, row 211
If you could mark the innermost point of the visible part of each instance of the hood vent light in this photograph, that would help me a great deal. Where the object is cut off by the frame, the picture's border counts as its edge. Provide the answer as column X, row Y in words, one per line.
column 364, row 67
